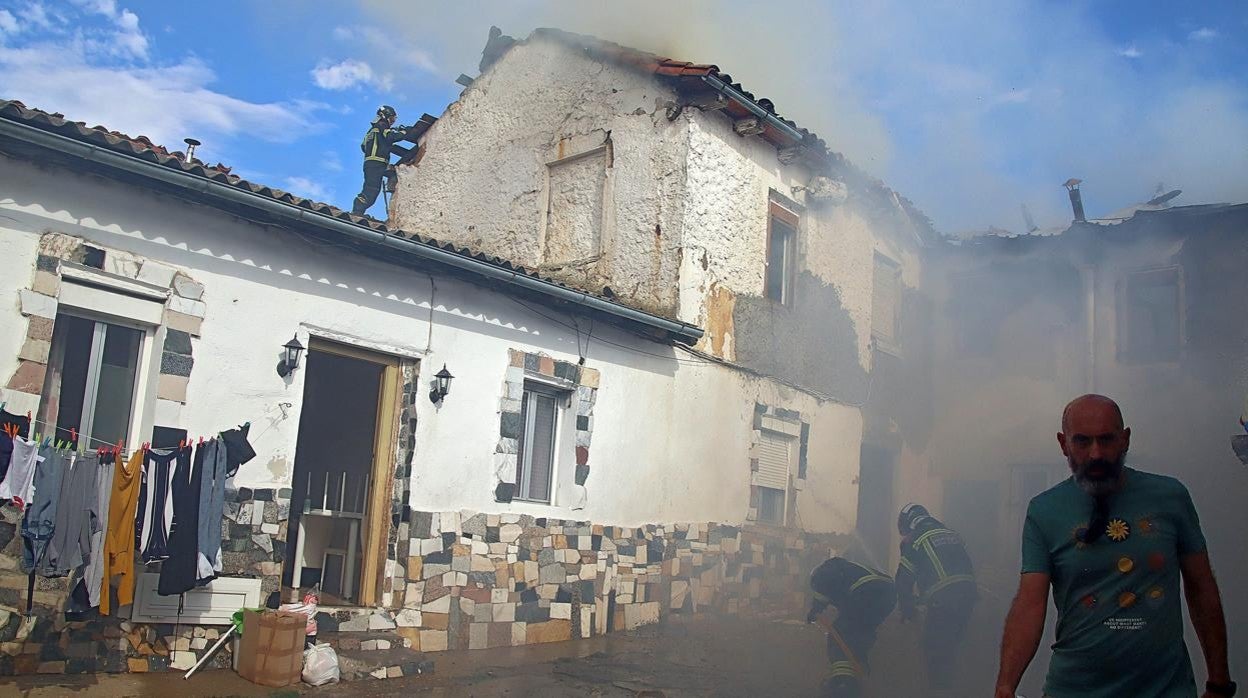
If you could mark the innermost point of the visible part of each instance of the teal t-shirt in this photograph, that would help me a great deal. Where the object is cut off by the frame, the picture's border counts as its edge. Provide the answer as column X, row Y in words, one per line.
column 1118, row 600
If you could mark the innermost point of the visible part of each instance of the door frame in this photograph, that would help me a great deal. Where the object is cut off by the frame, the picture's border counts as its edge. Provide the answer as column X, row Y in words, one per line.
column 376, row 528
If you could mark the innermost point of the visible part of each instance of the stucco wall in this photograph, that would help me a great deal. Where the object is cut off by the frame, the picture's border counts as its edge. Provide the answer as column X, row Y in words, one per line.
column 482, row 180
column 671, row 432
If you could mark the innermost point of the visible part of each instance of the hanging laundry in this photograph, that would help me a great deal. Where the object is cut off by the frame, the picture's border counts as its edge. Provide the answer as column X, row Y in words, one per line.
column 211, row 510
column 11, row 427
column 238, row 449
column 178, row 572
column 19, row 482
column 156, row 505
column 92, row 575
column 39, row 523
column 119, row 534
column 77, row 519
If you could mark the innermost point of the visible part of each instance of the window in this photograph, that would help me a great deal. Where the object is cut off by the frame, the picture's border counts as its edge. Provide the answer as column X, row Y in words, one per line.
column 535, row 463
column 781, row 254
column 577, row 193
column 91, row 379
column 885, row 301
column 1151, row 326
column 775, row 460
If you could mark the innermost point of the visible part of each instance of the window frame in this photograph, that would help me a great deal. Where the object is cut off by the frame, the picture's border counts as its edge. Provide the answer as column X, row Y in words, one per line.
column 792, row 220
column 890, row 342
column 524, row 465
column 138, row 422
column 1128, row 349
column 790, row 433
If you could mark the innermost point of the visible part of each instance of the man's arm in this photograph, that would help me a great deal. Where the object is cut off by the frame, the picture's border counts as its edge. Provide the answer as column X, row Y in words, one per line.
column 903, row 582
column 1023, row 627
column 1205, row 605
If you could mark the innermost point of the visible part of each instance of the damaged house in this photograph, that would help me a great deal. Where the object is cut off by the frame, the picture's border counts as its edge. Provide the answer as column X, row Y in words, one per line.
column 612, row 358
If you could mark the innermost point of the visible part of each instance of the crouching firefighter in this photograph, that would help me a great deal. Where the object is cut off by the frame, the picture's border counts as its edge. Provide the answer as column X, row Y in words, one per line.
column 934, row 558
column 863, row 598
column 381, row 136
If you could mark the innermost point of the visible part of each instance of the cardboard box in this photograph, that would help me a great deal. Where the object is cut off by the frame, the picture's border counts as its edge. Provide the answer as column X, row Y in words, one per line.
column 271, row 651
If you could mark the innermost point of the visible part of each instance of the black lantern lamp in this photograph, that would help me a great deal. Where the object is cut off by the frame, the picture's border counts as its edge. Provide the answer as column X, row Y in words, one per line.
column 441, row 385
column 293, row 349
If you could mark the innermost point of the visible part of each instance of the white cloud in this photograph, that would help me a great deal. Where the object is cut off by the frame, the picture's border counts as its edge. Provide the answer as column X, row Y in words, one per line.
column 347, row 74
column 8, row 23
column 1203, row 34
column 331, row 161
column 36, row 15
column 307, row 188
column 166, row 103
column 386, row 48
column 129, row 39
column 1130, row 51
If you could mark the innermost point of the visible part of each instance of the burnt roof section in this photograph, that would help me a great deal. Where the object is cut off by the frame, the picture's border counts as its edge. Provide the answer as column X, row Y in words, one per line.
column 144, row 149
column 699, row 77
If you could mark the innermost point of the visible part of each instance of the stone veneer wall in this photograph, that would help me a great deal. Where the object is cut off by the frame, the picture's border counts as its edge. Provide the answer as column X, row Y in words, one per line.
column 496, row 580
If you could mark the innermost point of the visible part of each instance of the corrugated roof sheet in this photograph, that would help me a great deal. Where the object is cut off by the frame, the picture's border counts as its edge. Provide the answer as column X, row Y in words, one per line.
column 142, row 148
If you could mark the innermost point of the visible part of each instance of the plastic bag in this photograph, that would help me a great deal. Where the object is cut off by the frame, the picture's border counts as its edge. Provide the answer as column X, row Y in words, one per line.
column 320, row 665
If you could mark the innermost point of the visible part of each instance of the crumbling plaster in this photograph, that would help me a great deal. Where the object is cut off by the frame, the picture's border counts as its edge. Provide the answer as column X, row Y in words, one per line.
column 482, row 180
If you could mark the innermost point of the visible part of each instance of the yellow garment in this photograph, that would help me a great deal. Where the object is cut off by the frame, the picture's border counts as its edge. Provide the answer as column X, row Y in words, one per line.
column 119, row 536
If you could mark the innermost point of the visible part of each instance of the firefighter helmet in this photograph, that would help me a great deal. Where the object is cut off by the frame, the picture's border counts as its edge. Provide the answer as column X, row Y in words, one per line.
column 387, row 112
column 909, row 516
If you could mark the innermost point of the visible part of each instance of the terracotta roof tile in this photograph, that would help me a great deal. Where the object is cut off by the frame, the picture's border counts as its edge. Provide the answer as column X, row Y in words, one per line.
column 142, row 147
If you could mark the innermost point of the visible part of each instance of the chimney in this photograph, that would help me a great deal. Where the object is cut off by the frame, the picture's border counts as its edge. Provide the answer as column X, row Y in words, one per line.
column 1076, row 199
column 191, row 144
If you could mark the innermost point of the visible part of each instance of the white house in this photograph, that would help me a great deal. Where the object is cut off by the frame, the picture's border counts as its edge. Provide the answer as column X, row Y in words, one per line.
column 661, row 335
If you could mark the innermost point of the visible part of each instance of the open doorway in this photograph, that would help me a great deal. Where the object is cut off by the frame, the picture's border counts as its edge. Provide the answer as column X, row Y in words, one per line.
column 877, row 466
column 339, row 503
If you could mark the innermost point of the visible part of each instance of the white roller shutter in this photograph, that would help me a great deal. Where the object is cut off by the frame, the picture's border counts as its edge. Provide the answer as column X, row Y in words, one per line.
column 775, row 454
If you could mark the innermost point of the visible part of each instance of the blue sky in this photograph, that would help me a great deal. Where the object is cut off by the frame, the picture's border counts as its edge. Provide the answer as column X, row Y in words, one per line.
column 969, row 108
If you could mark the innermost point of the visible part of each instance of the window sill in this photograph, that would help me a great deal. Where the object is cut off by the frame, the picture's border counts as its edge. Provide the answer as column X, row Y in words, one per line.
column 543, row 509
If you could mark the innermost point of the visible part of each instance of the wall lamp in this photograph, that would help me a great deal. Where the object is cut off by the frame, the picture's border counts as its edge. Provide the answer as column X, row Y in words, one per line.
column 441, row 385
column 290, row 360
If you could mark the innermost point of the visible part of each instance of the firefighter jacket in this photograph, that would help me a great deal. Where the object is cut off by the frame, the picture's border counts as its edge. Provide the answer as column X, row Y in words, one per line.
column 378, row 141
column 841, row 583
column 935, row 559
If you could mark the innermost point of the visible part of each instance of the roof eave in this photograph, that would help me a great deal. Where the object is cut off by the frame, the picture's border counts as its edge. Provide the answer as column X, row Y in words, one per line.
column 297, row 218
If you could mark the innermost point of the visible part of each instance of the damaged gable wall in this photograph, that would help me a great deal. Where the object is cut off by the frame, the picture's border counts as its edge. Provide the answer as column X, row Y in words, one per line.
column 558, row 162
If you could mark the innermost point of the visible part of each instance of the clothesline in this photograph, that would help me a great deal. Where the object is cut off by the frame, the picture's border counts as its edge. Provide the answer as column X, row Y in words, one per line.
column 75, row 437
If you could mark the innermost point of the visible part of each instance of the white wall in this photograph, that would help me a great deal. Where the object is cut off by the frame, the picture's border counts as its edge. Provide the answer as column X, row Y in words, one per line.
column 671, row 434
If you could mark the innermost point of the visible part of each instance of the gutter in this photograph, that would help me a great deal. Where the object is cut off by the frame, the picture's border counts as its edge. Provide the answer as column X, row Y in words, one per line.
column 753, row 107
column 292, row 214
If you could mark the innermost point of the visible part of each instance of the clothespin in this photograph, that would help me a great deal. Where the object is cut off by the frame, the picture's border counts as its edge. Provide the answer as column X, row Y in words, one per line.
column 73, row 434
column 201, row 441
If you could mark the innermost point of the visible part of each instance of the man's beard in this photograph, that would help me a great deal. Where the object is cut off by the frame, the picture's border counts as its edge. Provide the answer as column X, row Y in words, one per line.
column 1102, row 483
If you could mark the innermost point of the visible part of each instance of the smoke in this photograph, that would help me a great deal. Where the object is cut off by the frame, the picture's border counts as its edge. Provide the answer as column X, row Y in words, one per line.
column 969, row 109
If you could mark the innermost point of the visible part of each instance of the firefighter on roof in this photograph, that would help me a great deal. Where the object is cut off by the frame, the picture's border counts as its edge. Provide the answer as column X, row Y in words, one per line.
column 863, row 598
column 381, row 136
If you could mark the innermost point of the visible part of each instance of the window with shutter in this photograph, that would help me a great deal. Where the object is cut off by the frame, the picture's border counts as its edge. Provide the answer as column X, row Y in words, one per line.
column 776, row 452
column 885, row 300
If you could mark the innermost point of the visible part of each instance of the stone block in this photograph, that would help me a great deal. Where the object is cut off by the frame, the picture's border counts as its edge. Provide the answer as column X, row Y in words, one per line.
column 182, row 660
column 589, row 377
column 561, row 611
column 183, row 323
column 46, row 283
column 39, row 328
column 549, row 631
column 39, row 305
column 136, row 665
column 381, row 621
column 171, row 387
column 433, row 640
column 408, row 618
column 176, row 364
column 35, row 350
column 478, row 636
column 188, row 288
column 156, row 274
column 510, row 425
column 28, row 378
column 503, row 612
column 439, row 605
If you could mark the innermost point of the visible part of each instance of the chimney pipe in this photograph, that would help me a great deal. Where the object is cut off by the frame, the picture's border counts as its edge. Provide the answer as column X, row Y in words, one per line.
column 190, row 149
column 1076, row 199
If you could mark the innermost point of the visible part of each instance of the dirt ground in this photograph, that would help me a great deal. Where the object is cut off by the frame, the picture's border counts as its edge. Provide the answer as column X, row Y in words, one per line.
column 694, row 657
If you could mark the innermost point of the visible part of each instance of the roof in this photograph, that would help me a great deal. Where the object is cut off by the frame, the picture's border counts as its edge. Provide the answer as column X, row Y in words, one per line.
column 779, row 131
column 141, row 148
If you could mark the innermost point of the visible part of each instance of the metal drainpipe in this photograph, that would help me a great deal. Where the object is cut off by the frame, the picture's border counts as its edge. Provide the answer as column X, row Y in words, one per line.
column 729, row 91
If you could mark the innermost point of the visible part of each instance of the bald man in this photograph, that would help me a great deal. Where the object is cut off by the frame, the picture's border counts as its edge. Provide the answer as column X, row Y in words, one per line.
column 1113, row 542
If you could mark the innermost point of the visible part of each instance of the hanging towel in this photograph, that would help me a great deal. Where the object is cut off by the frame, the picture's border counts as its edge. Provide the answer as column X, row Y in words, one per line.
column 77, row 519
column 211, row 510
column 93, row 574
column 39, row 524
column 19, row 482
column 158, row 470
column 178, row 572
column 119, row 534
